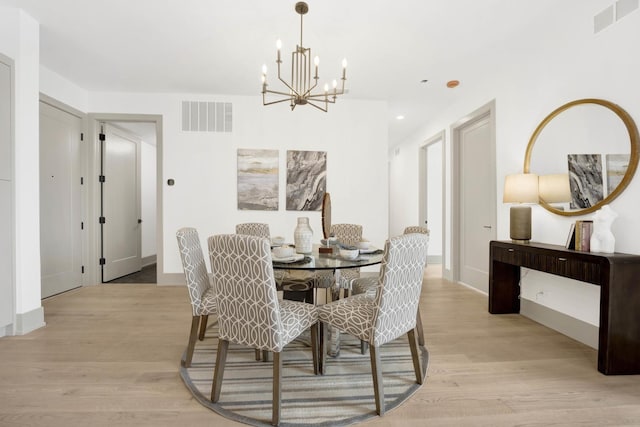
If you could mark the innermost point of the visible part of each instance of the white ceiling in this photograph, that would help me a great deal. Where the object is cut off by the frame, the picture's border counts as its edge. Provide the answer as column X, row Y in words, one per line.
column 219, row 46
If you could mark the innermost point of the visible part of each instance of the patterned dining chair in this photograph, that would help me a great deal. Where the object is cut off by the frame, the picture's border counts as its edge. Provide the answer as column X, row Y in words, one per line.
column 201, row 294
column 367, row 285
column 297, row 287
column 387, row 316
column 249, row 312
column 347, row 234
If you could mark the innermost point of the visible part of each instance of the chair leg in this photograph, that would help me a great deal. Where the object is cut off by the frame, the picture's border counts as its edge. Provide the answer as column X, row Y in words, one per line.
column 195, row 320
column 314, row 347
column 257, row 354
column 218, row 373
column 203, row 326
column 376, row 372
column 419, row 329
column 322, row 350
column 414, row 355
column 277, row 380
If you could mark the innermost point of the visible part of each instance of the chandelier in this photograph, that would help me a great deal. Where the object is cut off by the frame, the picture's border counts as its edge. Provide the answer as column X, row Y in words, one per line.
column 299, row 90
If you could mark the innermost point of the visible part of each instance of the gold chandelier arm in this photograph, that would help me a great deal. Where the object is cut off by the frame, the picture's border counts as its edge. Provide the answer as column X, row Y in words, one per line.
column 318, row 107
column 264, row 101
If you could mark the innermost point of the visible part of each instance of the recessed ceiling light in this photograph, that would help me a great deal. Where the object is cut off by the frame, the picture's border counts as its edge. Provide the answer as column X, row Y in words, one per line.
column 400, row 117
column 452, row 83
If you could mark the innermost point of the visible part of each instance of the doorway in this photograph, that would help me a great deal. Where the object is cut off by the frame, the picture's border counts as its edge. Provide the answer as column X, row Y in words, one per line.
column 431, row 189
column 473, row 196
column 147, row 129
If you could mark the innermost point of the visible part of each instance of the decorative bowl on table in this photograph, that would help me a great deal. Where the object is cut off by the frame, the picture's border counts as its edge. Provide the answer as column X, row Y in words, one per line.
column 363, row 245
column 349, row 253
column 277, row 240
column 283, row 252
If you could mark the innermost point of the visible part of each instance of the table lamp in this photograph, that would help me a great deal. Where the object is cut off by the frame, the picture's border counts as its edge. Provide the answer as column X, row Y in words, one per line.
column 520, row 189
column 554, row 188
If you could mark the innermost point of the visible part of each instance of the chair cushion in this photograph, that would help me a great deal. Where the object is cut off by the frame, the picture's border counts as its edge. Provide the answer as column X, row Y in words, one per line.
column 352, row 315
column 365, row 285
column 296, row 317
column 207, row 303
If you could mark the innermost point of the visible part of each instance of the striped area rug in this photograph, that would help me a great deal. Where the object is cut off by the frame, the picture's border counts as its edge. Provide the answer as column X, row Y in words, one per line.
column 341, row 397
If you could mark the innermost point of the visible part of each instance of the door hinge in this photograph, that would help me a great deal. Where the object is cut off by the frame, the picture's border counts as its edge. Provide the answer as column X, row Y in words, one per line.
column 102, row 220
column 102, row 137
column 82, row 225
column 81, row 136
column 82, row 180
column 102, row 178
column 102, row 261
column 83, row 269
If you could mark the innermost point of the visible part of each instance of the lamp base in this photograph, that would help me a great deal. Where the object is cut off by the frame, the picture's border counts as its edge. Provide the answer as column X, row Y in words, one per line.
column 520, row 223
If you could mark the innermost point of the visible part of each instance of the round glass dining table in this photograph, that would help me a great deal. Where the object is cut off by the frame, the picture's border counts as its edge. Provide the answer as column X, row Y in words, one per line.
column 317, row 260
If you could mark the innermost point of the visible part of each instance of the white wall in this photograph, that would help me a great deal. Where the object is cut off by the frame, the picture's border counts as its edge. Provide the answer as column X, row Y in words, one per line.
column 19, row 40
column 528, row 79
column 203, row 165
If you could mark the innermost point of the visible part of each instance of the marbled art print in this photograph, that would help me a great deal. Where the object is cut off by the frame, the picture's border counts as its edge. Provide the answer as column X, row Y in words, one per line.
column 258, row 180
column 306, row 180
column 585, row 180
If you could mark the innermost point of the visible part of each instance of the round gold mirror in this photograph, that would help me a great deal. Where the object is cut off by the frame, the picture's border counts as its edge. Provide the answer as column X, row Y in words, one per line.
column 591, row 141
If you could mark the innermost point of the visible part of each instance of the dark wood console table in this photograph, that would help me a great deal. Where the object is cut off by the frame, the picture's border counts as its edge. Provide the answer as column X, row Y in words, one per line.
column 618, row 276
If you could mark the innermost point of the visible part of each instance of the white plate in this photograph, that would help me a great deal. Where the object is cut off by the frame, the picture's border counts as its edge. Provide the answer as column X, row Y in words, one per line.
column 368, row 251
column 293, row 258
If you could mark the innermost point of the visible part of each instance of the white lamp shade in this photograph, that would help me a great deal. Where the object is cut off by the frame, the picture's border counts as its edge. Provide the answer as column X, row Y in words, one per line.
column 554, row 188
column 521, row 188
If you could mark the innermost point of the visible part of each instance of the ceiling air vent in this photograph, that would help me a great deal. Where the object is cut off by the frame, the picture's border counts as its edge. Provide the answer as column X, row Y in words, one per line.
column 200, row 116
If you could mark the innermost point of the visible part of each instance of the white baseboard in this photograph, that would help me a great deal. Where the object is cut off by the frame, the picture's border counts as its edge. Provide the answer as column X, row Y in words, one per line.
column 149, row 260
column 577, row 329
column 29, row 321
column 434, row 259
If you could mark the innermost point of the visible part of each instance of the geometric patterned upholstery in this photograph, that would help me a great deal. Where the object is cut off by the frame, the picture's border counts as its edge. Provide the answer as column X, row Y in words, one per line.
column 392, row 311
column 253, row 229
column 347, row 234
column 416, row 229
column 203, row 302
column 367, row 285
column 284, row 281
column 249, row 312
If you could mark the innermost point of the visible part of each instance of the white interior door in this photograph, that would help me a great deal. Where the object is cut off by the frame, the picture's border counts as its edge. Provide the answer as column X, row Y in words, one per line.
column 60, row 200
column 476, row 201
column 121, row 230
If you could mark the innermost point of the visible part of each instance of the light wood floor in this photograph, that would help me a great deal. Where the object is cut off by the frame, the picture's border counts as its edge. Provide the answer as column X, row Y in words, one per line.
column 109, row 356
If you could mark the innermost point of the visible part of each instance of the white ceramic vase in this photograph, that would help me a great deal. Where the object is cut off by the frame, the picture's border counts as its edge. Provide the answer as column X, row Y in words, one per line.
column 302, row 236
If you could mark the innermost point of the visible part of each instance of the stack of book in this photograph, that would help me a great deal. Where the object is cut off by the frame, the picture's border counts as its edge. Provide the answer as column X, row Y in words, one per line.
column 580, row 236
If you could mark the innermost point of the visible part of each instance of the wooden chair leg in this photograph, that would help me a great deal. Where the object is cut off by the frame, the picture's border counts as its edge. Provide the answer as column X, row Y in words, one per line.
column 363, row 347
column 414, row 355
column 203, row 326
column 257, row 354
column 376, row 372
column 314, row 347
column 218, row 373
column 322, row 349
column 191, row 345
column 277, row 381
column 419, row 328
